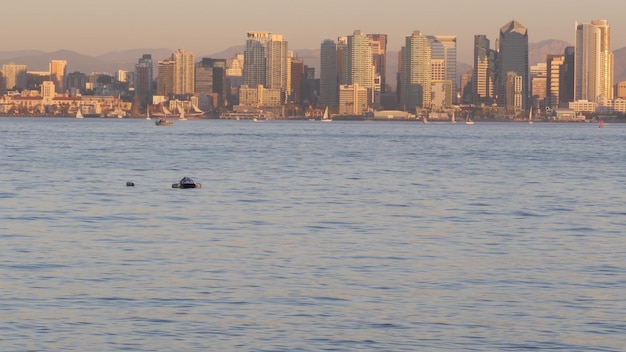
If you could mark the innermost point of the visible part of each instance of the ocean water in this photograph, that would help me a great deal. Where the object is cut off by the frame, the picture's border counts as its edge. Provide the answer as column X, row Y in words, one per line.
column 308, row 236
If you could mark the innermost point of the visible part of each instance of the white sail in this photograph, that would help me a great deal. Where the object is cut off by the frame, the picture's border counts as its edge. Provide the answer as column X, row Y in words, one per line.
column 166, row 111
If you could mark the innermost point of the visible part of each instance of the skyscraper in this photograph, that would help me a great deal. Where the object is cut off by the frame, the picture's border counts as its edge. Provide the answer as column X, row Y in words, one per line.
column 329, row 88
column 57, row 74
column 254, row 64
column 278, row 68
column 378, row 42
column 513, row 57
column 593, row 63
column 443, row 50
column 143, row 77
column 415, row 72
column 357, row 61
column 566, row 77
column 484, row 74
column 553, row 80
column 184, row 72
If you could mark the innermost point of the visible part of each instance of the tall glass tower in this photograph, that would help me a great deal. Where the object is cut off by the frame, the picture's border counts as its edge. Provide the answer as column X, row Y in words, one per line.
column 513, row 57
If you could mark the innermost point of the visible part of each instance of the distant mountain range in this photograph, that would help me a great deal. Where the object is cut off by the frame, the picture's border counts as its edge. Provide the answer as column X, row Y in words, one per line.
column 126, row 60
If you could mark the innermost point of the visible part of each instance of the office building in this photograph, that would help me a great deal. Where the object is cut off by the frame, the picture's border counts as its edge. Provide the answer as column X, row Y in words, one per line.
column 144, row 77
column 278, row 69
column 415, row 72
column 184, row 72
column 443, row 53
column 378, row 42
column 513, row 57
column 255, row 59
column 57, row 74
column 15, row 77
column 484, row 74
column 593, row 62
column 329, row 81
column 554, row 64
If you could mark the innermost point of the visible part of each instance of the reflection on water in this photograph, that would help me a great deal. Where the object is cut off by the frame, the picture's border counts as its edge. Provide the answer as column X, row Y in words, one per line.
column 308, row 236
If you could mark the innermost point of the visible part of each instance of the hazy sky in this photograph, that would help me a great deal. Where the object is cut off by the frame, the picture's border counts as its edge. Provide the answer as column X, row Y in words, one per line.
column 206, row 26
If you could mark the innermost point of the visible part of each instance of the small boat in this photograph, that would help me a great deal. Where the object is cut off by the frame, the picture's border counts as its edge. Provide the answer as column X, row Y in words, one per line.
column 424, row 119
column 325, row 117
column 186, row 182
column 468, row 121
column 453, row 118
column 530, row 117
column 148, row 114
column 79, row 114
column 601, row 124
column 163, row 122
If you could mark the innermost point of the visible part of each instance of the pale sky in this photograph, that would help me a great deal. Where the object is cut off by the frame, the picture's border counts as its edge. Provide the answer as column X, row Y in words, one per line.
column 206, row 27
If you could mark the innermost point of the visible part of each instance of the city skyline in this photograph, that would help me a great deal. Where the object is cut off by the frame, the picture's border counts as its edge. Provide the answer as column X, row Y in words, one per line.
column 196, row 25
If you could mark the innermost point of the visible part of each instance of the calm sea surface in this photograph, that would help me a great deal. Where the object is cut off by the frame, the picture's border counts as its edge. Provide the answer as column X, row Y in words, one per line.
column 309, row 236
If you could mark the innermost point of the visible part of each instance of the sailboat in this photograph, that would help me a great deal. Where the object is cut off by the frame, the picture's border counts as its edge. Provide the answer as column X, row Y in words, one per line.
column 325, row 118
column 79, row 114
column 181, row 113
column 453, row 118
column 530, row 117
column 148, row 113
column 468, row 121
column 424, row 119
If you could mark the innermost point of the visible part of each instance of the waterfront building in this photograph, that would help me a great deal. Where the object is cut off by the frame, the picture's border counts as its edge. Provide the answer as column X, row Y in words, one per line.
column 513, row 57
column 378, row 42
column 441, row 92
column 57, row 74
column 484, row 74
column 415, row 72
column 255, row 59
column 144, row 77
column 593, row 72
column 353, row 99
column 48, row 91
column 443, row 52
column 329, row 81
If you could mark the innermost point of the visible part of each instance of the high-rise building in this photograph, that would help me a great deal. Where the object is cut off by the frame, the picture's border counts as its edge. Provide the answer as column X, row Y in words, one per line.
column 184, row 72
column 593, row 72
column 415, row 72
column 357, row 63
column 513, row 57
column 443, row 50
column 165, row 79
column 210, row 77
column 255, row 58
column 553, row 80
column 57, row 74
column 278, row 69
column 378, row 42
column 329, row 81
column 484, row 75
column 143, row 77
column 566, row 76
column 297, row 78
column 15, row 76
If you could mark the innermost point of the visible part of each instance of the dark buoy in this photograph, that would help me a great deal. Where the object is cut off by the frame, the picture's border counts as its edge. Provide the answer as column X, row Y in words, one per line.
column 130, row 184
